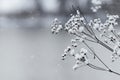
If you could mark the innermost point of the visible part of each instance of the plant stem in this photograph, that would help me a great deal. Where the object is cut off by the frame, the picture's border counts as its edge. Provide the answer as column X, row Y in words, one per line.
column 88, row 35
column 84, row 38
column 113, row 72
column 86, row 26
column 89, row 29
column 102, row 69
column 104, row 45
column 115, row 34
column 109, row 70
column 97, row 56
column 96, row 67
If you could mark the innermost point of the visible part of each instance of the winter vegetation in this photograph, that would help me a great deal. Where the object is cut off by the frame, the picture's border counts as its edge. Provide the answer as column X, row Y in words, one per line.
column 105, row 34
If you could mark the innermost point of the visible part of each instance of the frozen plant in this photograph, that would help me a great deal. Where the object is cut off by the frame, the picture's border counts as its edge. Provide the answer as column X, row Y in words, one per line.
column 56, row 26
column 84, row 33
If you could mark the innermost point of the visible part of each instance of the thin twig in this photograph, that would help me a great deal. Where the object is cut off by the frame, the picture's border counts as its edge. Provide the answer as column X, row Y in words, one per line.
column 104, row 45
column 96, row 67
column 102, row 69
column 115, row 35
column 114, row 72
column 91, row 31
column 96, row 56
column 85, row 19
column 84, row 38
column 88, row 35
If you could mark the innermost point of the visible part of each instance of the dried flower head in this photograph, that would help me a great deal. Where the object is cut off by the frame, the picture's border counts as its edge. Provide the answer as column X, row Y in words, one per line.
column 84, row 32
column 56, row 26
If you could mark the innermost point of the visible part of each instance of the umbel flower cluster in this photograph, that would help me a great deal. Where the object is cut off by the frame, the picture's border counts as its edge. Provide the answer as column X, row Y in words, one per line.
column 85, row 32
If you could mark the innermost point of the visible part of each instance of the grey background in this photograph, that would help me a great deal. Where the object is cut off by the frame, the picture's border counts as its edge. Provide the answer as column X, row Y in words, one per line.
column 28, row 50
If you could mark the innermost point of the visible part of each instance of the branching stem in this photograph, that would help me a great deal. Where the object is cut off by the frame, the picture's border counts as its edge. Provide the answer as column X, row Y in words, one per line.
column 96, row 56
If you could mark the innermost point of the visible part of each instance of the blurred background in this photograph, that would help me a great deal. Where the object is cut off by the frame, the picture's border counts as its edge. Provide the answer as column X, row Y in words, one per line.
column 28, row 50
